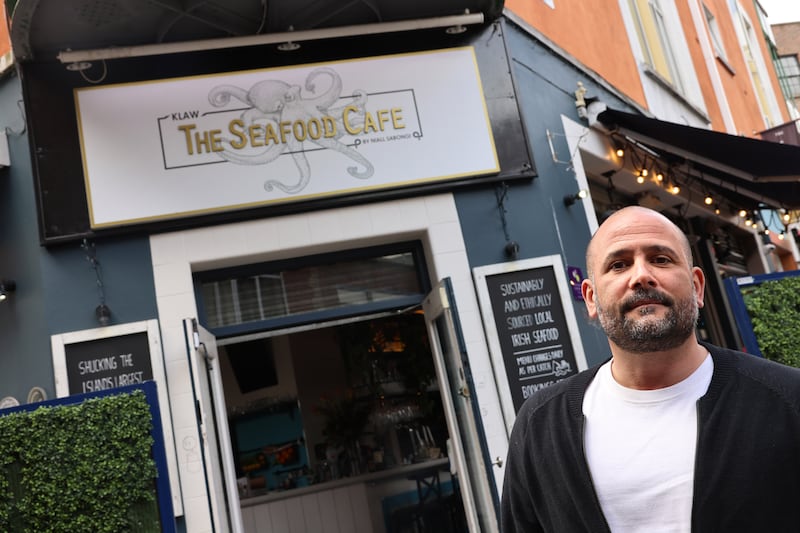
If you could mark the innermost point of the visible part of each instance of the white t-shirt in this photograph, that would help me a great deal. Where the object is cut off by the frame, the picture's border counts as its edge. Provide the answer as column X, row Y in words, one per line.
column 640, row 447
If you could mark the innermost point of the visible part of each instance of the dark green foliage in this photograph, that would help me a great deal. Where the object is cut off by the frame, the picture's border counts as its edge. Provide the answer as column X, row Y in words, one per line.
column 79, row 468
column 774, row 309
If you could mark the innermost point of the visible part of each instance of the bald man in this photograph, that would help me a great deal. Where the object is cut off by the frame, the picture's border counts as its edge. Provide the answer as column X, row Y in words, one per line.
column 670, row 434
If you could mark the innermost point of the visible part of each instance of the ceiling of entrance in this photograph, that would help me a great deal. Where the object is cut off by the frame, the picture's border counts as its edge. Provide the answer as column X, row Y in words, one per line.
column 40, row 30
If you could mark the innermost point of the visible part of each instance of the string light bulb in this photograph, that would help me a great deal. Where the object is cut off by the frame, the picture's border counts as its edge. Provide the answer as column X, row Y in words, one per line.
column 674, row 188
column 639, row 179
column 659, row 176
column 786, row 217
column 709, row 199
column 742, row 213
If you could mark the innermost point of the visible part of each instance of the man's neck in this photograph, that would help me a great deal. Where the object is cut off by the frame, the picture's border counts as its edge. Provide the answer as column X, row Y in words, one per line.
column 656, row 370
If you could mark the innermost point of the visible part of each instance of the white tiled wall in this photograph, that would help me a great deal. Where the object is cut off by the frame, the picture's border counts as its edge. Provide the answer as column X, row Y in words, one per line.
column 432, row 219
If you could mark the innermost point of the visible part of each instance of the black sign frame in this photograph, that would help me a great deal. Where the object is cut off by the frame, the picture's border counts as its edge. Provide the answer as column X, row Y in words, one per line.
column 530, row 327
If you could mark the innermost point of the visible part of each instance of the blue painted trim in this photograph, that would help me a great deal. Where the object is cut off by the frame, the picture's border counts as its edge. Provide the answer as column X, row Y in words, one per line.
column 163, row 494
column 733, row 288
column 741, row 317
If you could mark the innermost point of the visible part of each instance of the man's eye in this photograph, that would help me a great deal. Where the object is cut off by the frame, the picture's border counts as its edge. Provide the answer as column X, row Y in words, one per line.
column 617, row 265
column 661, row 260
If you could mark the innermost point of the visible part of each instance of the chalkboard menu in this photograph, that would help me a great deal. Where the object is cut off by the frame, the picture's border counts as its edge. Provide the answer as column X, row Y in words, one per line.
column 100, row 364
column 532, row 330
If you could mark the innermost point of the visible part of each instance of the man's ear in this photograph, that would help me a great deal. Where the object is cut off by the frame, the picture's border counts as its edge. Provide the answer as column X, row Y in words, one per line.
column 699, row 282
column 587, row 291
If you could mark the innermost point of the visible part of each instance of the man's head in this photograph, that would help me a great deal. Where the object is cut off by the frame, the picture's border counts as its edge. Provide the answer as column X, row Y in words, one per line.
column 642, row 286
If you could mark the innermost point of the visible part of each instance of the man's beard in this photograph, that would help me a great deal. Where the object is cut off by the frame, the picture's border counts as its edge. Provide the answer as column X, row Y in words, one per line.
column 650, row 335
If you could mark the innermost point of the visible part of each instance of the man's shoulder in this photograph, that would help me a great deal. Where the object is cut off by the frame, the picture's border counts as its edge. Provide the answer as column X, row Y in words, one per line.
column 759, row 370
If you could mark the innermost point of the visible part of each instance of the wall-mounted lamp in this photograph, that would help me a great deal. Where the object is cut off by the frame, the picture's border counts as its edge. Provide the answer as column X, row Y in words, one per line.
column 103, row 314
column 7, row 286
column 572, row 198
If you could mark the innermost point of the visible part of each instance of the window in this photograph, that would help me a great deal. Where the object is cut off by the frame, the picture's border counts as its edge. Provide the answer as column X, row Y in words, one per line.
column 310, row 289
column 653, row 34
column 716, row 39
column 751, row 52
column 789, row 73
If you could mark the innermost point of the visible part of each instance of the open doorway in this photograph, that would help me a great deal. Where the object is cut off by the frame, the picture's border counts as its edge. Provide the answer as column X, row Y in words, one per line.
column 340, row 424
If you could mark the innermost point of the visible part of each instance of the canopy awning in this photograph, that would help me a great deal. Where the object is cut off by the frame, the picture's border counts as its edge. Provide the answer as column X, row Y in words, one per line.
column 761, row 171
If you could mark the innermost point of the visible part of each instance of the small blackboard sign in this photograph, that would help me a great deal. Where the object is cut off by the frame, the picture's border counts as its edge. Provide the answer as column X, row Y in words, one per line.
column 534, row 338
column 107, row 363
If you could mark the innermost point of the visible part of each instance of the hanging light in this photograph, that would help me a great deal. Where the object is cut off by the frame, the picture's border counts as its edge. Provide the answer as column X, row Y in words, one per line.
column 708, row 199
column 742, row 213
column 619, row 147
column 786, row 216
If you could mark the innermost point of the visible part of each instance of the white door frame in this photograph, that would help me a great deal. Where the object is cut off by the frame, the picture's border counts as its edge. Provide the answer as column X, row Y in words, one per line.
column 175, row 256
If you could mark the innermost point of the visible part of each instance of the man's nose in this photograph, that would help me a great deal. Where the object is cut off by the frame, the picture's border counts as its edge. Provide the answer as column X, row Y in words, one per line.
column 642, row 275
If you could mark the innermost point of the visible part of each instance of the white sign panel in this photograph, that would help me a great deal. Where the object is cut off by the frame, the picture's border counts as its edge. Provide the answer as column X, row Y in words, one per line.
column 189, row 146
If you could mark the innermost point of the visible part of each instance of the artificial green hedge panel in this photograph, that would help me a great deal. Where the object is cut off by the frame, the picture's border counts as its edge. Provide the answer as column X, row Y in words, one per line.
column 79, row 468
column 774, row 309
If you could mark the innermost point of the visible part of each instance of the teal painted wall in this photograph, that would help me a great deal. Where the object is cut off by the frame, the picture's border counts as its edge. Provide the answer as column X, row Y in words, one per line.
column 57, row 290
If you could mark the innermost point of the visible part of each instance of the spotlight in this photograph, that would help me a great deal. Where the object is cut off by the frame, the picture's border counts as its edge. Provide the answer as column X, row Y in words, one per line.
column 7, row 286
column 571, row 198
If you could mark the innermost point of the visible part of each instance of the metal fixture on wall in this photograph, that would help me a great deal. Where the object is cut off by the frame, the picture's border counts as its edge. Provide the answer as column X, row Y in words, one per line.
column 572, row 198
column 7, row 286
column 79, row 56
column 102, row 312
column 511, row 248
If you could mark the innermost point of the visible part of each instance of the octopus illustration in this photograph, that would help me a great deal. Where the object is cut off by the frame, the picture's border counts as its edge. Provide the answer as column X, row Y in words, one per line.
column 278, row 102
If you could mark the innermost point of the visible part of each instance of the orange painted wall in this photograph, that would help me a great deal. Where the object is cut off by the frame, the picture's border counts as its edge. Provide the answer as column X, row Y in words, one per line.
column 5, row 39
column 592, row 32
column 736, row 81
column 698, row 60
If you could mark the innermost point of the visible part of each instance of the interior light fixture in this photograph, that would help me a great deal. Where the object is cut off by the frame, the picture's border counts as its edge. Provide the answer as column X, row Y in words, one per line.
column 7, row 286
column 572, row 198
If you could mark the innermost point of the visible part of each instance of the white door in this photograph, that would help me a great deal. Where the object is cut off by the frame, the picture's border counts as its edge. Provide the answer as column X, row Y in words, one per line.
column 466, row 455
column 212, row 423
